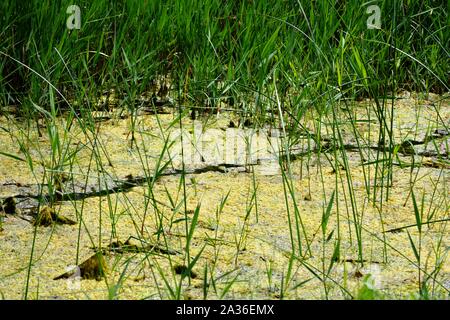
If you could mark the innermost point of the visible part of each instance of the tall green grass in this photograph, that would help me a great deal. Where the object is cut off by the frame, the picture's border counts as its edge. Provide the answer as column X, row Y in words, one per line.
column 223, row 51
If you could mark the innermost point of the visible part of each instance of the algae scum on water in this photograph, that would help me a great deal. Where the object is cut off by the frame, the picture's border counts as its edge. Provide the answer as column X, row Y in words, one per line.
column 212, row 208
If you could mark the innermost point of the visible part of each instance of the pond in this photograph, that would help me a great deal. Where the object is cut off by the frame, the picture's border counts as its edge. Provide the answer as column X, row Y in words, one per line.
column 212, row 208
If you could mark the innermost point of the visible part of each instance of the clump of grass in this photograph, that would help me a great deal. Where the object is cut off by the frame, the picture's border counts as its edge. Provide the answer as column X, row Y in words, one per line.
column 368, row 291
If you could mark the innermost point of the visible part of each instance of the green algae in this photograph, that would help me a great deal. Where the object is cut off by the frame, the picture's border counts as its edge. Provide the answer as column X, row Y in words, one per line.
column 244, row 253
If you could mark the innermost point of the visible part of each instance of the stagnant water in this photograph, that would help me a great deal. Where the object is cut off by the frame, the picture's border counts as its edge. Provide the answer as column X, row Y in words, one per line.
column 116, row 188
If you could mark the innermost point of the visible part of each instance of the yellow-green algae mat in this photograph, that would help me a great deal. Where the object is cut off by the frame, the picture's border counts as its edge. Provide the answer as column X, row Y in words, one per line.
column 246, row 245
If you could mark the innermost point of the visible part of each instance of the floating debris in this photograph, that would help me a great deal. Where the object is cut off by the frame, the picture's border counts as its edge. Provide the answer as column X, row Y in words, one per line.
column 121, row 247
column 92, row 268
column 358, row 261
column 9, row 205
column 162, row 250
column 357, row 274
column 184, row 271
column 129, row 247
column 207, row 225
column 47, row 216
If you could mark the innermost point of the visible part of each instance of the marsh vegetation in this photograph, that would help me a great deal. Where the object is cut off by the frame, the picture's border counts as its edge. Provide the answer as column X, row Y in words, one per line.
column 220, row 150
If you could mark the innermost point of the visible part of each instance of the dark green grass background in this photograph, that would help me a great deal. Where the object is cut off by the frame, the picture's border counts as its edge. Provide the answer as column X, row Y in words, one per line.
column 223, row 50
